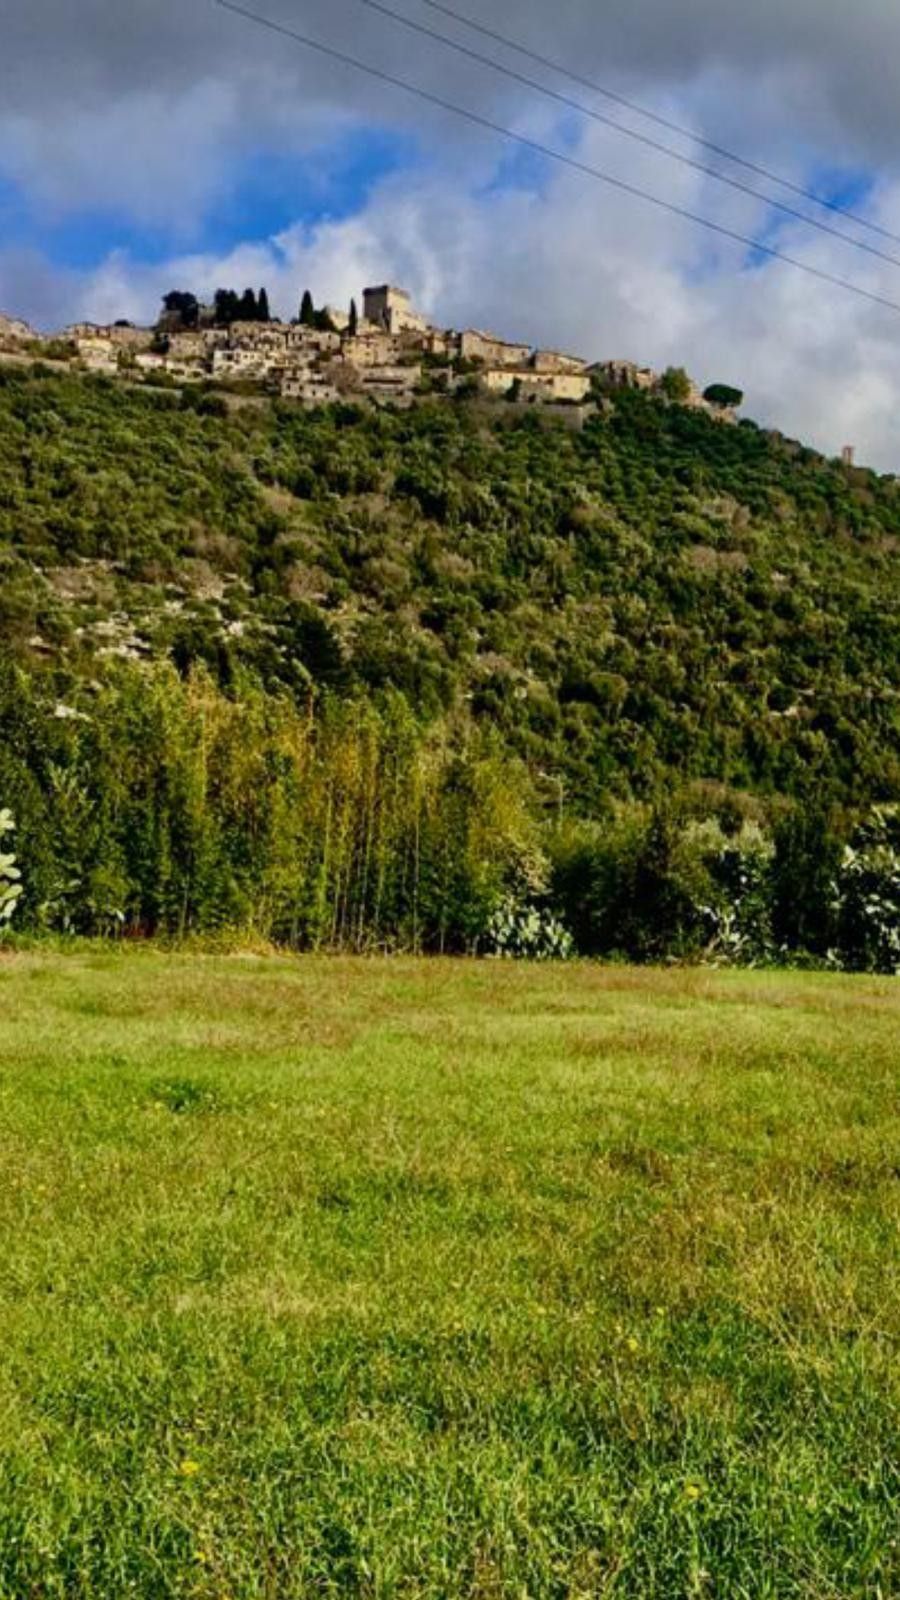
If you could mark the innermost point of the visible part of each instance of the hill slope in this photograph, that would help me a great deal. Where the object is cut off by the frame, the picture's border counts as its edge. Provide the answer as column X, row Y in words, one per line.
column 654, row 604
column 655, row 595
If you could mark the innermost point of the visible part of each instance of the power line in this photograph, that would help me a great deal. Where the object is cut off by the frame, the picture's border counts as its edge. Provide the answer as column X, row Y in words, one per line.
column 661, row 121
column 629, row 133
column 536, row 147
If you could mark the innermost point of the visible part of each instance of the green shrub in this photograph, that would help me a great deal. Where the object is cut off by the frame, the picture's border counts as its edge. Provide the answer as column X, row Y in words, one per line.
column 525, row 931
column 676, row 385
column 10, row 886
column 867, row 893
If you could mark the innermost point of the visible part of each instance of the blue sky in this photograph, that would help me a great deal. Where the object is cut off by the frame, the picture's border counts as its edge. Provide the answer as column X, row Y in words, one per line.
column 267, row 192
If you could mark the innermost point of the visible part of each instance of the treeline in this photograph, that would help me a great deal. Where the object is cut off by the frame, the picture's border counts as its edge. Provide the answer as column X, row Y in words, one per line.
column 183, row 307
column 160, row 805
column 157, row 804
column 229, row 306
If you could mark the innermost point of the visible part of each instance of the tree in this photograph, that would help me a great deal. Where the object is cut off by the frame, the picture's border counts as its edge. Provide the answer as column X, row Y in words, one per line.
column 353, row 324
column 307, row 310
column 263, row 312
column 723, row 396
column 249, row 311
column 180, row 303
column 676, row 385
column 227, row 307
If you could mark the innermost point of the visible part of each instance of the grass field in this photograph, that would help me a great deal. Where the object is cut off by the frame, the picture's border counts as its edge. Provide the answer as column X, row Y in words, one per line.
column 326, row 1278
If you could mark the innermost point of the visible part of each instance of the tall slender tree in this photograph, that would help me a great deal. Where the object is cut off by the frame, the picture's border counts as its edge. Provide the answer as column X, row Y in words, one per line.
column 263, row 312
column 353, row 324
column 307, row 310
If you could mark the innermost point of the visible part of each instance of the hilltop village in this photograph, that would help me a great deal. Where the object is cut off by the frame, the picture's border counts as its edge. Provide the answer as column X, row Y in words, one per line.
column 388, row 354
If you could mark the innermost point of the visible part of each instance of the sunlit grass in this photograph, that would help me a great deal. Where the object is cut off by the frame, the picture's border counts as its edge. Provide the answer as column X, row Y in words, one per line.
column 445, row 1279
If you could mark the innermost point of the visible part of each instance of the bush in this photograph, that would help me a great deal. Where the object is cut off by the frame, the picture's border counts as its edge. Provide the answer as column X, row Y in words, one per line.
column 867, row 892
column 676, row 385
column 10, row 887
column 520, row 929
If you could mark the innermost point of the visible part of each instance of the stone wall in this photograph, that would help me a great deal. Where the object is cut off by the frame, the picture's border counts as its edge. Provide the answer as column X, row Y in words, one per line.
column 493, row 352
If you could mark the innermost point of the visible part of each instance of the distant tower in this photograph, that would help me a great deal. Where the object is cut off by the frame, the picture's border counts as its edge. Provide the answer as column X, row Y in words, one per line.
column 391, row 310
column 848, row 455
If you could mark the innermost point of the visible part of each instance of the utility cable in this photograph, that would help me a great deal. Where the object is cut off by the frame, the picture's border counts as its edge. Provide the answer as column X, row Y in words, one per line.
column 629, row 133
column 661, row 121
column 538, row 148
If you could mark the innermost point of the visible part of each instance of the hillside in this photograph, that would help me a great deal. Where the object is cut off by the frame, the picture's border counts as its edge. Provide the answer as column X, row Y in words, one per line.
column 651, row 604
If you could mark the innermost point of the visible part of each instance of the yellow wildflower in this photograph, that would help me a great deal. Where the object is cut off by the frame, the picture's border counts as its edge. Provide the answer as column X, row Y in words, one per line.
column 189, row 1468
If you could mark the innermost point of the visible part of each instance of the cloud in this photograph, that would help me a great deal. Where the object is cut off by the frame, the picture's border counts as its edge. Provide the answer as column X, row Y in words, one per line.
column 147, row 111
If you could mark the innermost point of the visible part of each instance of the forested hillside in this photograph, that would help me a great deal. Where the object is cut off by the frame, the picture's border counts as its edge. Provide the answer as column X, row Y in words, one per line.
column 655, row 623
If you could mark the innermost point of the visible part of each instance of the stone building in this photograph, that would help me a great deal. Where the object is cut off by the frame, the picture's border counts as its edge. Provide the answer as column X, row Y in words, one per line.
column 373, row 349
column 391, row 309
column 241, row 363
column 124, row 335
column 98, row 354
column 625, row 375
column 310, row 388
column 190, row 346
column 13, row 331
column 491, row 351
column 573, row 387
column 320, row 340
column 392, row 384
column 554, row 361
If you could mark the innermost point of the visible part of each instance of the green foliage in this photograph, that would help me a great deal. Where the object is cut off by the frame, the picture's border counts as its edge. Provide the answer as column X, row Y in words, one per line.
column 169, row 807
column 10, row 885
column 524, row 931
column 676, row 385
column 652, row 609
column 184, row 305
column 724, row 396
column 868, row 896
column 231, row 307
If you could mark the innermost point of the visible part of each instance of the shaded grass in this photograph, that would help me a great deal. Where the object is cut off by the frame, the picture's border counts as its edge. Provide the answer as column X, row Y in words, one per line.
column 436, row 1279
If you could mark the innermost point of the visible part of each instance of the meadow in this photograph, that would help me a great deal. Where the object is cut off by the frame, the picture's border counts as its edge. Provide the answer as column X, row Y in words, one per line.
column 394, row 1278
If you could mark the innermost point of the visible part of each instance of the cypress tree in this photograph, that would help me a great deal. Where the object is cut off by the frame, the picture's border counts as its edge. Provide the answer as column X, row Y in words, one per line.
column 353, row 325
column 307, row 310
column 263, row 312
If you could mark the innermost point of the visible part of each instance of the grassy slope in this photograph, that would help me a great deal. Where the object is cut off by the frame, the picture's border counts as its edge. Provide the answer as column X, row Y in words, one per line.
column 440, row 1280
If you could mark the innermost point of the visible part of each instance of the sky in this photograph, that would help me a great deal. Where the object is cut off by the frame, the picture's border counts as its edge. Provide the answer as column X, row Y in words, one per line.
column 155, row 144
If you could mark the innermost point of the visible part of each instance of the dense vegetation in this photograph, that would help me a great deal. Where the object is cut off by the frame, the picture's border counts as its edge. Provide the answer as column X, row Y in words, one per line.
column 637, row 633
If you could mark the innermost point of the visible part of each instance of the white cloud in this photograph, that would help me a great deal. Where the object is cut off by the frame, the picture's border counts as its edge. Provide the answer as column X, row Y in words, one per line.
column 150, row 117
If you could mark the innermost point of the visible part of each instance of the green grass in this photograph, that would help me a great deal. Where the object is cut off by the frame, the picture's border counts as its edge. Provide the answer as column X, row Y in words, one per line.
column 326, row 1277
